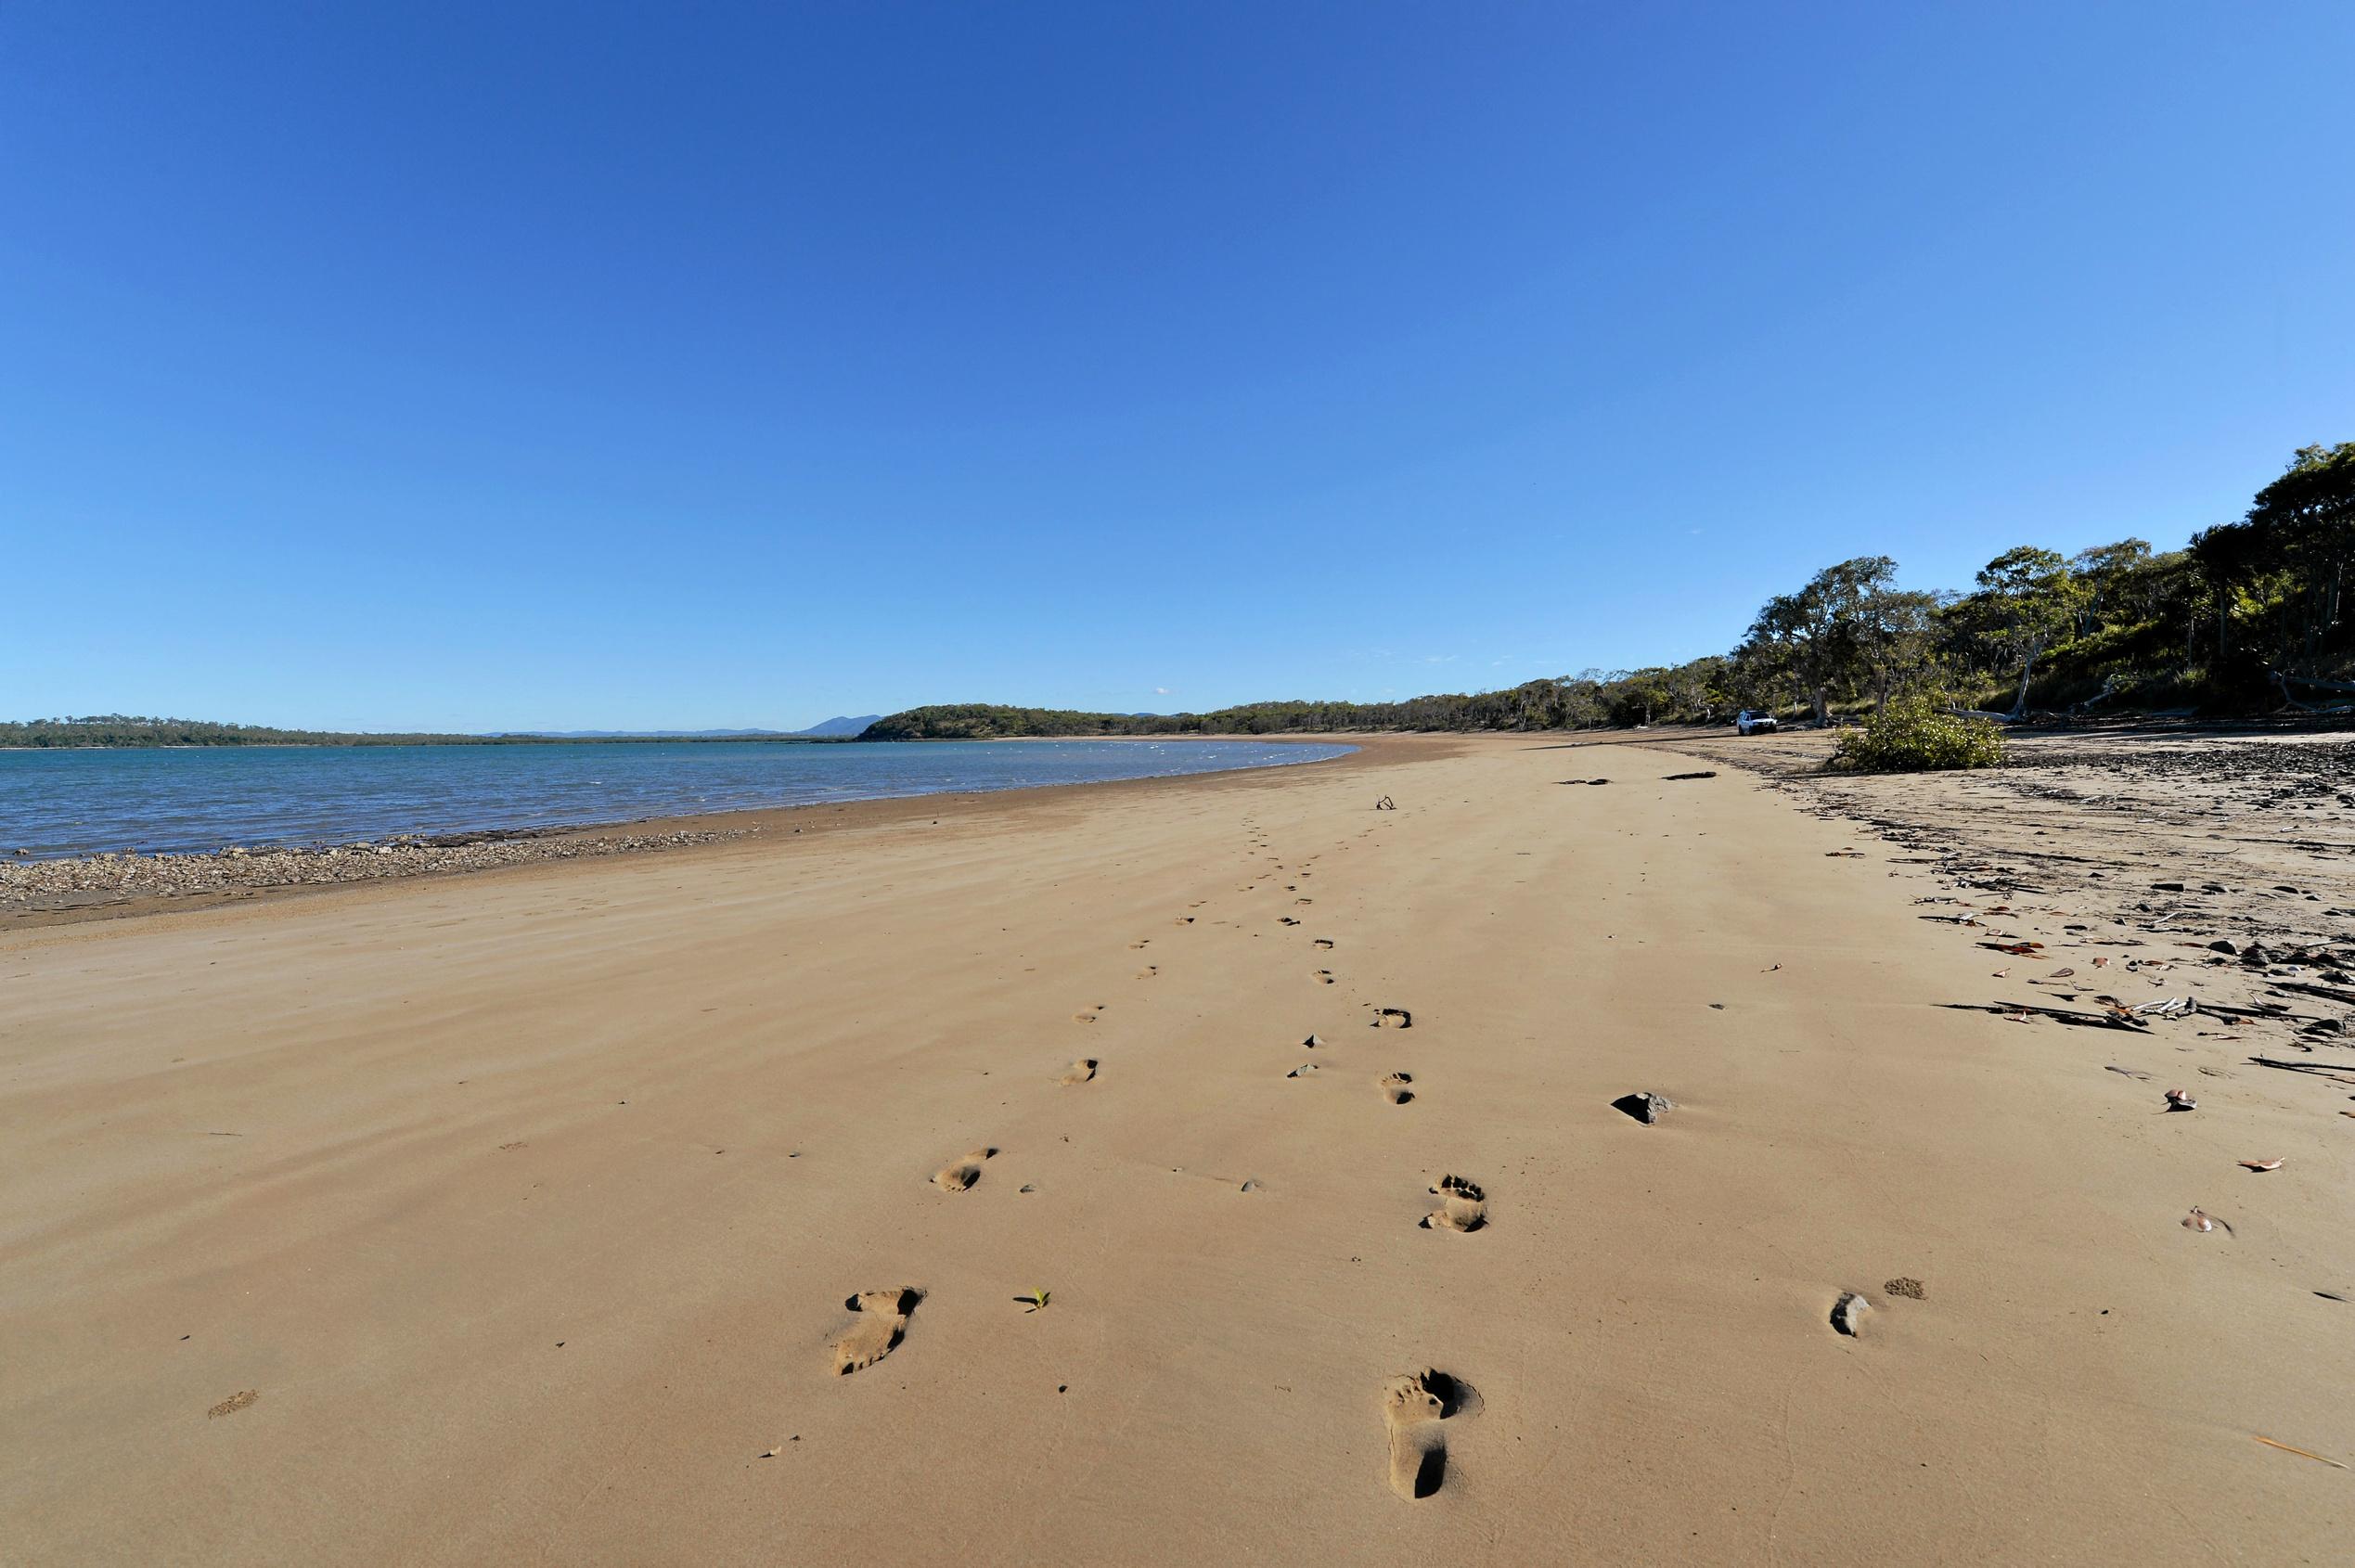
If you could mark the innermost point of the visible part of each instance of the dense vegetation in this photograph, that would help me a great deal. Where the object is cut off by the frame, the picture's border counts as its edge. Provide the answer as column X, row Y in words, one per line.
column 1910, row 734
column 2252, row 613
column 121, row 729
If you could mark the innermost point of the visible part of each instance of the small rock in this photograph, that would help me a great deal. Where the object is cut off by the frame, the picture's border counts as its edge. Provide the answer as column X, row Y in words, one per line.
column 2225, row 947
column 1848, row 1314
column 1645, row 1107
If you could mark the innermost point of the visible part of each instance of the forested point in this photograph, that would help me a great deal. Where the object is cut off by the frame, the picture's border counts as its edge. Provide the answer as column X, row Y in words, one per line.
column 124, row 729
column 2250, row 618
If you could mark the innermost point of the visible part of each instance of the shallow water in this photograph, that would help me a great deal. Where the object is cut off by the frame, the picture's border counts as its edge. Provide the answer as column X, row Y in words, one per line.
column 81, row 802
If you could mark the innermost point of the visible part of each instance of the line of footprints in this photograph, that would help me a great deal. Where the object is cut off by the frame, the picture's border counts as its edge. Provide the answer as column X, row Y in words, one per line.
column 1418, row 1406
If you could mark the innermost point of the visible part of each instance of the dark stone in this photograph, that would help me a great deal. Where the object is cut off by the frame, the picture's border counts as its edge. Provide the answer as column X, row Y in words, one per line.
column 2225, row 947
column 1644, row 1106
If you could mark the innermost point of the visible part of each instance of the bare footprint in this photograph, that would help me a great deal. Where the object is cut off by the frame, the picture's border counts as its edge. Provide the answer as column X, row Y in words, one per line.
column 958, row 1175
column 1392, row 1018
column 1084, row 1017
column 1395, row 1086
column 1079, row 1072
column 1149, row 971
column 1325, row 942
column 1463, row 1206
column 1325, row 976
column 1415, row 1409
column 883, row 1320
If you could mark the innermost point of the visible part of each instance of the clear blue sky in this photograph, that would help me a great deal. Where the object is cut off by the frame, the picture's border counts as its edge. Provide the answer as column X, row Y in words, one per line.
column 493, row 366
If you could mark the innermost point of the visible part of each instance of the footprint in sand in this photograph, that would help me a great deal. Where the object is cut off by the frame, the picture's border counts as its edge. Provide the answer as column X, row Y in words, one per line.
column 1079, row 1072
column 1141, row 944
column 1325, row 976
column 1325, row 942
column 1463, row 1206
column 961, row 1174
column 1415, row 1409
column 1149, row 971
column 1395, row 1086
column 1286, row 920
column 1088, row 1016
column 1185, row 919
column 882, row 1322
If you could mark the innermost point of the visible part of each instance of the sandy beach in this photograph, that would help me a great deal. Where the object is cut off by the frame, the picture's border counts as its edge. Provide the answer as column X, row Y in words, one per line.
column 516, row 1217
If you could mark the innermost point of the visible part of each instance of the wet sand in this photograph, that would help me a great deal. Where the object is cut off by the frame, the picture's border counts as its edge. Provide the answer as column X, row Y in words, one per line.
column 516, row 1217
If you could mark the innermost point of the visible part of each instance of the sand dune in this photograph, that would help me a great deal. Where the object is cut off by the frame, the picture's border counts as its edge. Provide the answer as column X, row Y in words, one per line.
column 580, row 1212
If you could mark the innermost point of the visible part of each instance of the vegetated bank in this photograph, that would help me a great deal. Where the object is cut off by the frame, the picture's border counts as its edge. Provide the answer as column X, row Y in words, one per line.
column 130, row 731
column 2250, row 617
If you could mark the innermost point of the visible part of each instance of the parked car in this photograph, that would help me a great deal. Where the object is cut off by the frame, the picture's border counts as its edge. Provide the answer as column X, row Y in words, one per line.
column 1748, row 723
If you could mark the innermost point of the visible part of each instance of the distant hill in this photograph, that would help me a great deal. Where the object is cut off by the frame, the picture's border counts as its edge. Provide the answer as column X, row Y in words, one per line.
column 122, row 730
column 125, row 730
column 651, row 734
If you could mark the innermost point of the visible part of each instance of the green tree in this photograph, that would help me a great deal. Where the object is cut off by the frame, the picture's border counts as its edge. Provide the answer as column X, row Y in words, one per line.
column 2030, row 598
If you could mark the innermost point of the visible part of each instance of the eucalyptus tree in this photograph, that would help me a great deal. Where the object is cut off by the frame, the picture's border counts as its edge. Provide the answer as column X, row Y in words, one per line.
column 2030, row 599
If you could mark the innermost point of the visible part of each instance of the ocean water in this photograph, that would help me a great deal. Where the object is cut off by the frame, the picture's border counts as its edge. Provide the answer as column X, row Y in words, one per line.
column 59, row 803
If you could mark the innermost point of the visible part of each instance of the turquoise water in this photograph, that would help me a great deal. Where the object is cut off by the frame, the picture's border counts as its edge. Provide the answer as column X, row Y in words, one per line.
column 58, row 803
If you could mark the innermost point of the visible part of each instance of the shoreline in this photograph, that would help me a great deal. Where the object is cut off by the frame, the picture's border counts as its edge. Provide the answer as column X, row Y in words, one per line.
column 113, row 885
column 512, row 1217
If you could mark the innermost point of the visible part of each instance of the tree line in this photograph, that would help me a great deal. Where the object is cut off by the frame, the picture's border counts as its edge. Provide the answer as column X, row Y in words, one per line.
column 2251, row 613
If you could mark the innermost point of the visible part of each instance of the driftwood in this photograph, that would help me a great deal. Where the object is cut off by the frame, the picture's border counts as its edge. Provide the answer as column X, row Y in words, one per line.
column 2283, row 682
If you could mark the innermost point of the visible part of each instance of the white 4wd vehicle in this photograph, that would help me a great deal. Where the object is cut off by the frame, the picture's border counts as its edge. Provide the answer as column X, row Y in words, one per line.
column 1748, row 723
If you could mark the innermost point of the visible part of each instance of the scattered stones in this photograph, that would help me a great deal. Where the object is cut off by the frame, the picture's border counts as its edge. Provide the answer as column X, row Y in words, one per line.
column 38, row 886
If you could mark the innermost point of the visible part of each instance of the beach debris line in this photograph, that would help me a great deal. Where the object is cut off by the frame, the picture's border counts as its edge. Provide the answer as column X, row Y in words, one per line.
column 1678, row 777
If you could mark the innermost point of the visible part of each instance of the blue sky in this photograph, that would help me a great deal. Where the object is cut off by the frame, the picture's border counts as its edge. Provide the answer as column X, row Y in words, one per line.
column 494, row 365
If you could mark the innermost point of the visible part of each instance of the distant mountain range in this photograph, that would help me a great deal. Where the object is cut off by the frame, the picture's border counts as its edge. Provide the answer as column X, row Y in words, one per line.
column 840, row 726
